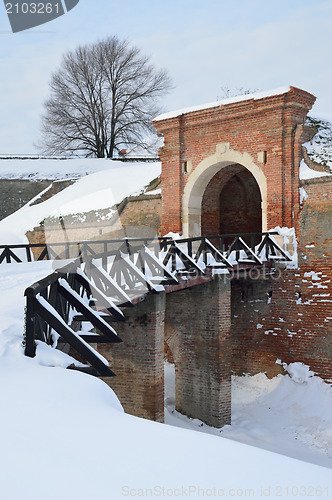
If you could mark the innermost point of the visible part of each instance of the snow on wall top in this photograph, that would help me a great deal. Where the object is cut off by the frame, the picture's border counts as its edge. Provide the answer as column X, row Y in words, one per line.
column 107, row 186
column 230, row 100
column 307, row 173
column 56, row 169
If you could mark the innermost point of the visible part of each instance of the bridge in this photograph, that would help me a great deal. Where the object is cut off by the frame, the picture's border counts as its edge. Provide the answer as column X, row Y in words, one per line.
column 212, row 304
column 138, row 298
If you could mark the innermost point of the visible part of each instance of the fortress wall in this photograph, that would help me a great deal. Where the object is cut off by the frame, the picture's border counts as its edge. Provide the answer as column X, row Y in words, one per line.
column 289, row 315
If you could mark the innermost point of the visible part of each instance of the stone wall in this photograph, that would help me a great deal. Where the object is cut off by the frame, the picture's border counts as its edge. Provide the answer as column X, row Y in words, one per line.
column 137, row 216
column 143, row 213
column 16, row 193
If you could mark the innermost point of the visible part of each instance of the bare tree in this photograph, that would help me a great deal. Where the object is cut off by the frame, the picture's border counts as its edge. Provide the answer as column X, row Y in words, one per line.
column 227, row 92
column 103, row 98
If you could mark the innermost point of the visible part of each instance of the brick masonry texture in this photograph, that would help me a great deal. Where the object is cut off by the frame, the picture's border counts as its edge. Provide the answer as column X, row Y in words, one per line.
column 197, row 333
column 288, row 314
column 273, row 125
column 232, row 203
column 138, row 362
column 282, row 315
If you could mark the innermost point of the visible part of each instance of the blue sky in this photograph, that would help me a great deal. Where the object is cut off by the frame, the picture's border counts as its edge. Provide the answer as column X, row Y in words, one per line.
column 204, row 45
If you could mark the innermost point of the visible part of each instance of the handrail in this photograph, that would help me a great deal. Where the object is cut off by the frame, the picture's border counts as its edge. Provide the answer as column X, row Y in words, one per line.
column 47, row 308
column 50, row 299
column 85, row 248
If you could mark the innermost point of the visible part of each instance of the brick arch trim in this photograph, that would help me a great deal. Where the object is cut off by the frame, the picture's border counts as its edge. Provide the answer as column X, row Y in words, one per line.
column 200, row 177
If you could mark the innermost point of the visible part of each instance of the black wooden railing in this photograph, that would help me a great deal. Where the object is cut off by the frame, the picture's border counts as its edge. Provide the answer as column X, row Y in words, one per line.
column 117, row 276
column 76, row 293
column 221, row 246
column 49, row 303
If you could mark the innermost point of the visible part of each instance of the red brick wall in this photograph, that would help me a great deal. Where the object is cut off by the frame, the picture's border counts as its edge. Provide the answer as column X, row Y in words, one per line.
column 197, row 332
column 289, row 316
column 138, row 362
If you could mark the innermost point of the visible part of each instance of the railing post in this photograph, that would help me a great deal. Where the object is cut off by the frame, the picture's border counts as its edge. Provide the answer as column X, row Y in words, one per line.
column 8, row 259
column 104, row 257
column 205, row 252
column 128, row 249
column 222, row 247
column 157, row 248
column 85, row 251
column 173, row 260
column 80, row 256
column 30, row 347
column 190, row 248
column 28, row 253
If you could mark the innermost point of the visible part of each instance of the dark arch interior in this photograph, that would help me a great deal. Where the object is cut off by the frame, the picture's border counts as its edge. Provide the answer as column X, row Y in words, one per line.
column 232, row 203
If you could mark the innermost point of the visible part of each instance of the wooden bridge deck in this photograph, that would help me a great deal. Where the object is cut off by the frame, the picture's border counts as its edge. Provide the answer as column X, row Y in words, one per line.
column 107, row 276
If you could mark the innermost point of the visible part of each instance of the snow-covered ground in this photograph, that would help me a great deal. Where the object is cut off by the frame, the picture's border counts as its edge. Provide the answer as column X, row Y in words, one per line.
column 308, row 173
column 64, row 435
column 320, row 146
column 55, row 169
column 290, row 414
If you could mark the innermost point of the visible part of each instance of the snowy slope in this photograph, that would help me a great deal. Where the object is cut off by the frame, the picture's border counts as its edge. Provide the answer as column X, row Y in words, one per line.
column 320, row 146
column 98, row 190
column 57, row 169
column 64, row 435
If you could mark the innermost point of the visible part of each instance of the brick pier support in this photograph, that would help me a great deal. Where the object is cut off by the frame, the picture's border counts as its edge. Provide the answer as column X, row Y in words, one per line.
column 139, row 361
column 198, row 328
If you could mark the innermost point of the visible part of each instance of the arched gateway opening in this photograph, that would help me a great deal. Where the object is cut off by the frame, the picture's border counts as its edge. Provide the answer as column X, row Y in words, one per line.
column 225, row 194
column 232, row 203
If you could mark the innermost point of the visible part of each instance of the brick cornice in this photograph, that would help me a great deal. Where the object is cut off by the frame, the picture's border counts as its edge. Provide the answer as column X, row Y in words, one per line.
column 295, row 98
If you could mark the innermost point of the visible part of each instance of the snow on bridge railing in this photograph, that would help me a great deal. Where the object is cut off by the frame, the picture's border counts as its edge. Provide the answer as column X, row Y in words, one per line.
column 93, row 286
column 227, row 250
column 50, row 303
column 80, row 292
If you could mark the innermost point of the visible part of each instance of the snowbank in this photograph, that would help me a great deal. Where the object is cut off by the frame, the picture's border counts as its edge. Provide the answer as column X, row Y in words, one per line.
column 64, row 434
column 289, row 414
column 58, row 169
column 308, row 173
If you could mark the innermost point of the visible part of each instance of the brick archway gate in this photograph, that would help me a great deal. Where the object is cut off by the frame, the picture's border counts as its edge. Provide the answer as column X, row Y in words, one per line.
column 263, row 132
